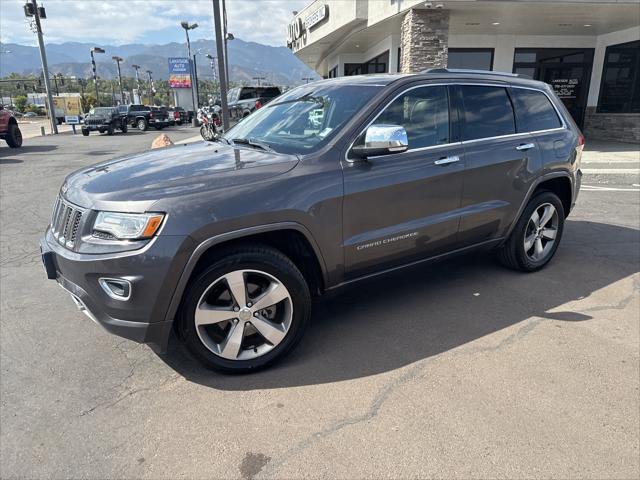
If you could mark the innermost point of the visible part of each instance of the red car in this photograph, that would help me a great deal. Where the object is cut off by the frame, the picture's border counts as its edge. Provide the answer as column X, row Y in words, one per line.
column 9, row 130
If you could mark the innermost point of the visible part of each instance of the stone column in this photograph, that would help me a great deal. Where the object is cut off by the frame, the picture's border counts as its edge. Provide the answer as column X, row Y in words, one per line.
column 424, row 40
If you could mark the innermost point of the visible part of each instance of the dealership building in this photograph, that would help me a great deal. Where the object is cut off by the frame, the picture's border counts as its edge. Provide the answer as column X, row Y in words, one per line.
column 588, row 51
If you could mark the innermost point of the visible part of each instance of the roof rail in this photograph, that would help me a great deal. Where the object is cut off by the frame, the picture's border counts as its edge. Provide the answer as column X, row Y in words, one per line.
column 475, row 72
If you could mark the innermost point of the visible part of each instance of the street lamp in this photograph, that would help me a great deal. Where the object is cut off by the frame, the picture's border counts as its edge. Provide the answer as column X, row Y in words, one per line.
column 151, row 92
column 184, row 24
column 137, row 67
column 213, row 67
column 93, row 66
column 118, row 60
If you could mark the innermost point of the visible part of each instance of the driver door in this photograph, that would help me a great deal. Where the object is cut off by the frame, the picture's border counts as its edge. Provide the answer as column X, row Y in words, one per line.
column 404, row 206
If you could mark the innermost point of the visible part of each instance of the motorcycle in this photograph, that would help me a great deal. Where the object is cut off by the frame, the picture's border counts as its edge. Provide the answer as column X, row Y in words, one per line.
column 210, row 123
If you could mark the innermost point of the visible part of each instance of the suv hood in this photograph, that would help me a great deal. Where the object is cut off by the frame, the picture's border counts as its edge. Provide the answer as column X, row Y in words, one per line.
column 135, row 182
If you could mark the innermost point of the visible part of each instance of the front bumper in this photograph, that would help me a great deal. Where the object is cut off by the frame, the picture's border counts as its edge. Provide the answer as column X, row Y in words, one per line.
column 153, row 272
column 93, row 128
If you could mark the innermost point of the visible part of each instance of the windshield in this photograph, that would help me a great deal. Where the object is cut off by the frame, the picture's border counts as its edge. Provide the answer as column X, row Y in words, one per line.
column 303, row 119
column 100, row 111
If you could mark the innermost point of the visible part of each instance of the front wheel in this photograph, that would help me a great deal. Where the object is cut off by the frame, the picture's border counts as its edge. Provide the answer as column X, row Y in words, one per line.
column 14, row 136
column 124, row 127
column 85, row 132
column 247, row 310
column 110, row 130
column 535, row 238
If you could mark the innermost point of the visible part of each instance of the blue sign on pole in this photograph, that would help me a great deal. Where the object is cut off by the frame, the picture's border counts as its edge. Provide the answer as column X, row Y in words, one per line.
column 179, row 72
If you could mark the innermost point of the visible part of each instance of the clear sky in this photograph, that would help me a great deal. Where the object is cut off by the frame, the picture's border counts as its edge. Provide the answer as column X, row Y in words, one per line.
column 147, row 21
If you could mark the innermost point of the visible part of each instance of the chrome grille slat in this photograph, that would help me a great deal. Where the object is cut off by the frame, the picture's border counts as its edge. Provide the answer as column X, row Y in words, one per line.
column 65, row 222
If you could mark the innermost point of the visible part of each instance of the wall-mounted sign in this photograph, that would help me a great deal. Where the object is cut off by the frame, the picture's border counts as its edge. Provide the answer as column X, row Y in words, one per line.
column 179, row 73
column 316, row 17
column 565, row 87
column 298, row 29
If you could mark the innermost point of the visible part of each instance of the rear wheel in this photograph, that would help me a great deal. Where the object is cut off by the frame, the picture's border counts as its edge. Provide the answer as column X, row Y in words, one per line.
column 535, row 238
column 14, row 136
column 245, row 311
column 142, row 125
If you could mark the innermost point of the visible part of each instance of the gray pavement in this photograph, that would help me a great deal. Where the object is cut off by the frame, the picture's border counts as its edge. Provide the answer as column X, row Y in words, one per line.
column 459, row 370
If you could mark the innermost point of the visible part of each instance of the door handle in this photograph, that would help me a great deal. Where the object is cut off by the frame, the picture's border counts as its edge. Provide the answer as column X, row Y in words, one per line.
column 525, row 146
column 447, row 160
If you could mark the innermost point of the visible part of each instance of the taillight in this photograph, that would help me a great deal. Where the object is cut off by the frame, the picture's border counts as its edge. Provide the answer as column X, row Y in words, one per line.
column 581, row 140
column 258, row 104
column 152, row 115
column 176, row 114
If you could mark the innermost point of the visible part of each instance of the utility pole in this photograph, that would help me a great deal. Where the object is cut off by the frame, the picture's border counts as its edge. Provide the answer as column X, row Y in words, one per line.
column 118, row 60
column 137, row 67
column 259, row 79
column 222, row 74
column 184, row 24
column 151, row 92
column 213, row 70
column 31, row 9
column 195, row 79
column 95, row 76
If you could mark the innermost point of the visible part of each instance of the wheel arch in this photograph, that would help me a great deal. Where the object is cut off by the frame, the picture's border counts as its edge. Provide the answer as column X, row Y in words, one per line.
column 12, row 121
column 291, row 238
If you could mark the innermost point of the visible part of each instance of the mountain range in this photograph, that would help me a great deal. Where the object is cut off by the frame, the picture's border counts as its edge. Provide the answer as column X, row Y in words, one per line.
column 246, row 60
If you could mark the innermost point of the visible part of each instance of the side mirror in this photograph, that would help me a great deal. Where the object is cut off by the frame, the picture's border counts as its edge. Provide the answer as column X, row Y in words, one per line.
column 382, row 140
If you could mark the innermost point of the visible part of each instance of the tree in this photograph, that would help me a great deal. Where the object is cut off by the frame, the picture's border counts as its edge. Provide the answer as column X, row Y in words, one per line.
column 87, row 100
column 20, row 102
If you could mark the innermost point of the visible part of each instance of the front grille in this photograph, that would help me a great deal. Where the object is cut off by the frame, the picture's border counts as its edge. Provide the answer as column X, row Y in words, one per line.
column 65, row 222
column 94, row 122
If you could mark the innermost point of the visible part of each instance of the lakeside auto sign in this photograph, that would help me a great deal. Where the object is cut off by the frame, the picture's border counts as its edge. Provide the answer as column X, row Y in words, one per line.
column 179, row 72
column 297, row 29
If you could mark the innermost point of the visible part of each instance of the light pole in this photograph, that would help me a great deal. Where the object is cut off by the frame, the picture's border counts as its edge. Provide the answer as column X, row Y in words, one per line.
column 118, row 60
column 137, row 67
column 184, row 24
column 149, row 72
column 222, row 74
column 93, row 67
column 31, row 9
column 213, row 69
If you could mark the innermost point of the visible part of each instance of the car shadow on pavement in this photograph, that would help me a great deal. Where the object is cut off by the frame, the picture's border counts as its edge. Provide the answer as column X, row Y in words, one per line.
column 383, row 324
column 9, row 152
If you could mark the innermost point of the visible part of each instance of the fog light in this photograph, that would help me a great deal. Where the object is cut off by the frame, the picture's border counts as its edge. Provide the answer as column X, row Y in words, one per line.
column 116, row 288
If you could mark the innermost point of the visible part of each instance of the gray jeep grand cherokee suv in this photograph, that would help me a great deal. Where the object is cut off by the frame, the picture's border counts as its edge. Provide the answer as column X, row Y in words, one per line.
column 330, row 183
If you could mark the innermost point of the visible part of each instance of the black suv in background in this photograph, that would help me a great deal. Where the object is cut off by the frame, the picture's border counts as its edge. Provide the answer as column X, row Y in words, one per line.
column 333, row 182
column 104, row 119
column 244, row 100
column 142, row 117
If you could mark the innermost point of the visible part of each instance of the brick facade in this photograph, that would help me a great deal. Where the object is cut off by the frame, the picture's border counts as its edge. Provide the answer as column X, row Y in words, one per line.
column 621, row 127
column 424, row 40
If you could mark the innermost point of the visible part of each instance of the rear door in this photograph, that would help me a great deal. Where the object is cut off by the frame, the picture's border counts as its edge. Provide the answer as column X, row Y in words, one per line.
column 404, row 206
column 499, row 162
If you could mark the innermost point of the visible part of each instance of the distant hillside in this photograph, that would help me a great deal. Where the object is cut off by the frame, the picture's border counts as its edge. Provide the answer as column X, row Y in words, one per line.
column 246, row 60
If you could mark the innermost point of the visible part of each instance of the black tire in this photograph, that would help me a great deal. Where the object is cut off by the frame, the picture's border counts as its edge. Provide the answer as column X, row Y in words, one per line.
column 14, row 136
column 85, row 132
column 254, row 257
column 124, row 128
column 512, row 253
column 110, row 130
column 142, row 125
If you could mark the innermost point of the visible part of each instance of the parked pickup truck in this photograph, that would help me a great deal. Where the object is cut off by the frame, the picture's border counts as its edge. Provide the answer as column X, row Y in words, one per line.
column 142, row 117
column 9, row 131
column 244, row 100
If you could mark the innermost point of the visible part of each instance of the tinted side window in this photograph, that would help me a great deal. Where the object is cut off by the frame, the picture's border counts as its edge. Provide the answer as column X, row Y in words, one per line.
column 534, row 111
column 487, row 112
column 423, row 112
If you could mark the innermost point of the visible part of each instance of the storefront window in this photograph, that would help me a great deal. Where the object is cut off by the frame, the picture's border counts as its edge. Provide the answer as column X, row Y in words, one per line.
column 620, row 86
column 379, row 64
column 471, row 58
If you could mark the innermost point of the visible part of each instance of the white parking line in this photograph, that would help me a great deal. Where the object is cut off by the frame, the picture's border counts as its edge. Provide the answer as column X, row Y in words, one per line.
column 598, row 188
column 611, row 171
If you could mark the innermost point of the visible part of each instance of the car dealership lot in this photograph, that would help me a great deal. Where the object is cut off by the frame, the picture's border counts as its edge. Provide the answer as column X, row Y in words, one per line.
column 460, row 369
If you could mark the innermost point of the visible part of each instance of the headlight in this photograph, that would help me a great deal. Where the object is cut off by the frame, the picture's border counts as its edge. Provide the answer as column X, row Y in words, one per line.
column 128, row 226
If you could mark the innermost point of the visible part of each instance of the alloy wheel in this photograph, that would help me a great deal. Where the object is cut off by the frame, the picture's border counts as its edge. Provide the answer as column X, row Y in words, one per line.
column 540, row 234
column 244, row 314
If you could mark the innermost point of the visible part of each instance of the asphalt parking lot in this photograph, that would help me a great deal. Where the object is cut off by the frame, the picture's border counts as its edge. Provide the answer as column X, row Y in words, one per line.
column 459, row 370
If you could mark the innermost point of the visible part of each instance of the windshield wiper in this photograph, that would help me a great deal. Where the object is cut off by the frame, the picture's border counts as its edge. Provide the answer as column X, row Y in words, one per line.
column 253, row 142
